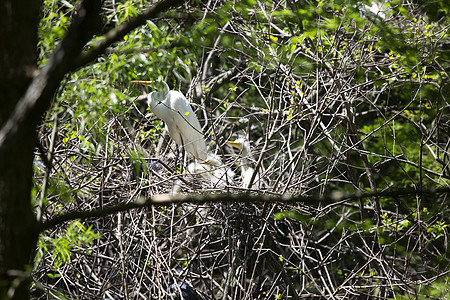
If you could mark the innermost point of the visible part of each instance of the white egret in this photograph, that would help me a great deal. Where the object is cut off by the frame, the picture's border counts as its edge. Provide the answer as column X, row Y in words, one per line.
column 181, row 122
column 213, row 170
column 243, row 145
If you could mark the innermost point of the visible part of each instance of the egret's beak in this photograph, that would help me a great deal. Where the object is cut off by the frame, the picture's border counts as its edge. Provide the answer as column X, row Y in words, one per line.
column 142, row 82
column 234, row 144
column 206, row 162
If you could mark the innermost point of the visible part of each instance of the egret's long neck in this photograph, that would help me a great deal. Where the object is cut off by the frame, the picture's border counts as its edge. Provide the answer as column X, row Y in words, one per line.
column 155, row 102
column 159, row 95
column 246, row 153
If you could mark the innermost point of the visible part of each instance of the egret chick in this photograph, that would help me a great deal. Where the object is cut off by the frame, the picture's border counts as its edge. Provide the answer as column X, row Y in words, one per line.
column 243, row 145
column 213, row 170
column 181, row 122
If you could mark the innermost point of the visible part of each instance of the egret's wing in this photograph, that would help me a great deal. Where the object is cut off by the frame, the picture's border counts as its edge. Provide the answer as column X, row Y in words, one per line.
column 187, row 125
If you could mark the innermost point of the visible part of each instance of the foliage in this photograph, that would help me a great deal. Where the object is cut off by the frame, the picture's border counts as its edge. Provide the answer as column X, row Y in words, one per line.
column 334, row 97
column 75, row 237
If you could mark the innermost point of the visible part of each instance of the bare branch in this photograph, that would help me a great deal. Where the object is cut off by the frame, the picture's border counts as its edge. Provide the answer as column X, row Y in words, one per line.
column 67, row 58
column 38, row 96
column 117, row 34
column 168, row 199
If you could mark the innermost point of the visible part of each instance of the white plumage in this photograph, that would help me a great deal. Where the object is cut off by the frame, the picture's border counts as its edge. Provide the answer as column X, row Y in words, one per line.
column 243, row 145
column 182, row 123
column 213, row 170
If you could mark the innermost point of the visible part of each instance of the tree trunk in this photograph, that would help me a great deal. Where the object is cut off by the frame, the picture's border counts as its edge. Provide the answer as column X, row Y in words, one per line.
column 18, row 235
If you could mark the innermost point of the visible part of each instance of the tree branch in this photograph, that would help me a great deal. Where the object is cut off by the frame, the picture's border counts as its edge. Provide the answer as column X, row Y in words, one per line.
column 39, row 94
column 118, row 33
column 167, row 199
column 65, row 59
